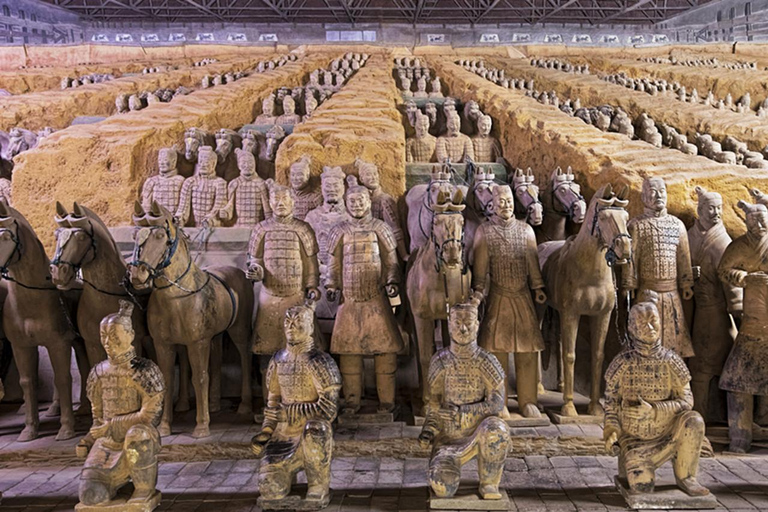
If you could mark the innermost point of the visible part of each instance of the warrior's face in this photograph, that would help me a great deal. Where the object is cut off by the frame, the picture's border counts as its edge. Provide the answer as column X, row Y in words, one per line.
column 115, row 339
column 422, row 127
column 268, row 107
column 281, row 202
column 453, row 125
column 206, row 162
column 246, row 163
column 298, row 325
column 166, row 162
column 333, row 190
column 757, row 223
column 299, row 177
column 645, row 327
column 369, row 176
column 654, row 194
column 359, row 203
column 503, row 202
column 711, row 210
column 484, row 125
column 463, row 326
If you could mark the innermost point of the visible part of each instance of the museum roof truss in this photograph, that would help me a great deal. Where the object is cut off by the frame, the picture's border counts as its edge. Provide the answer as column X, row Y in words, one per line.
column 531, row 12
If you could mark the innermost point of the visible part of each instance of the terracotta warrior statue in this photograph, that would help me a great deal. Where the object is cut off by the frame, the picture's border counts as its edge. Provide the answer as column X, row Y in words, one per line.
column 305, row 197
column 648, row 408
column 745, row 265
column 454, row 145
column 203, row 195
column 383, row 205
column 289, row 112
column 126, row 394
column 713, row 331
column 282, row 254
column 248, row 197
column 333, row 211
column 302, row 401
column 267, row 115
column 421, row 148
column 486, row 147
column 165, row 187
column 464, row 409
column 421, row 88
column 437, row 88
column 363, row 267
column 310, row 104
column 504, row 251
column 661, row 263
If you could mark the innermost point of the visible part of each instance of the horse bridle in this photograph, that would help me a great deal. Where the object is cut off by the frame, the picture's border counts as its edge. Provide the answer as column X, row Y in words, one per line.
column 529, row 208
column 440, row 247
column 610, row 255
column 16, row 250
column 570, row 211
column 60, row 249
column 171, row 245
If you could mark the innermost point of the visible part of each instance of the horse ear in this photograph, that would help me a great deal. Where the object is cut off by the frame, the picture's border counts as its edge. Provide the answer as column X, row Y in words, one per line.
column 442, row 197
column 623, row 193
column 138, row 210
column 156, row 210
column 608, row 192
column 77, row 211
column 60, row 210
column 558, row 171
column 458, row 196
column 529, row 172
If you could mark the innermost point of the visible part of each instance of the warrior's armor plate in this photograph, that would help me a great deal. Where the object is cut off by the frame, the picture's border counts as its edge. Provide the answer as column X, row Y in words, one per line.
column 487, row 149
column 249, row 199
column 304, row 377
column 206, row 195
column 420, row 150
column 384, row 207
column 507, row 252
column 657, row 239
column 166, row 191
column 304, row 201
column 454, row 148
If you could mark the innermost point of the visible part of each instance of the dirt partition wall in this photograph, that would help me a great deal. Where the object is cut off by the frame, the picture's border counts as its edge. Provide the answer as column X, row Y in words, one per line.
column 59, row 108
column 542, row 137
column 361, row 120
column 688, row 118
column 624, row 52
column 104, row 165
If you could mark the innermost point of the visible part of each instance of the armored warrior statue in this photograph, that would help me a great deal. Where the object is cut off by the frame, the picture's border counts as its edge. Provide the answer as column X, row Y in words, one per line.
column 454, row 145
column 648, row 404
column 420, row 148
column 464, row 410
column 248, row 196
column 302, row 400
column 421, row 88
column 333, row 211
column 282, row 254
column 713, row 331
column 363, row 267
column 383, row 205
column 289, row 112
column 486, row 147
column 305, row 198
column 310, row 104
column 126, row 394
column 662, row 264
column 745, row 265
column 165, row 187
column 267, row 115
column 504, row 251
column 204, row 194
column 437, row 88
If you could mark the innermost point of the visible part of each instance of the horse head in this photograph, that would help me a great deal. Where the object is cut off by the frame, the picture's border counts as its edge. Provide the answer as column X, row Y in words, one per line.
column 527, row 197
column 609, row 224
column 448, row 230
column 193, row 139
column 566, row 194
column 440, row 187
column 275, row 136
column 480, row 194
column 156, row 238
column 10, row 237
column 75, row 244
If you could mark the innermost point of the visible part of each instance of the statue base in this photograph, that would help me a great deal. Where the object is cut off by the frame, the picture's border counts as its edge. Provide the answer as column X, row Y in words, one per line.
column 517, row 420
column 467, row 498
column 665, row 497
column 368, row 415
column 293, row 502
column 123, row 505
column 582, row 418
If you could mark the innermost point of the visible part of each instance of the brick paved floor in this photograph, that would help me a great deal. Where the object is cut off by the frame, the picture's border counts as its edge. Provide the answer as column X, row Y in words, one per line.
column 534, row 484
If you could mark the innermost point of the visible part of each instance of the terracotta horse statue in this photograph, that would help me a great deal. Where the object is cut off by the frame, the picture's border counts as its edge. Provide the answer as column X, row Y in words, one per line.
column 193, row 139
column 420, row 200
column 527, row 202
column 189, row 306
column 578, row 274
column 438, row 277
column 479, row 205
column 85, row 246
column 562, row 202
column 35, row 314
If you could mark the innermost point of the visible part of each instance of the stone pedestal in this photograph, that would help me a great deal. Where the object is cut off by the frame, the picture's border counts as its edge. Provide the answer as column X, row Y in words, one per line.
column 369, row 415
column 123, row 505
column 582, row 418
column 467, row 498
column 293, row 502
column 518, row 420
column 665, row 497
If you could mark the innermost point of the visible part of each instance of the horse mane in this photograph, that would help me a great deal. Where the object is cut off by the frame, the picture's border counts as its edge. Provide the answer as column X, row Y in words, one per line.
column 589, row 221
column 98, row 225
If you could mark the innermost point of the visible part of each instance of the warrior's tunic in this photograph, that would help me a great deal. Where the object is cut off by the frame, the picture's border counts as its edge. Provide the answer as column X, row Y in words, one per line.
column 248, row 201
column 165, row 190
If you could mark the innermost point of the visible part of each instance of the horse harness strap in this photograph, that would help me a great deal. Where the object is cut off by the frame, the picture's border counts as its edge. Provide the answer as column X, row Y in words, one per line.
column 231, row 297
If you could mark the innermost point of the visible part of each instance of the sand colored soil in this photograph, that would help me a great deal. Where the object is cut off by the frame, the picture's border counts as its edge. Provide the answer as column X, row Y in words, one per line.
column 688, row 118
column 543, row 138
column 58, row 108
column 361, row 120
column 104, row 165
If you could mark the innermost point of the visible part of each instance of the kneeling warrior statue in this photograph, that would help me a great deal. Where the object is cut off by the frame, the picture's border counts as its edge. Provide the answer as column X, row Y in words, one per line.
column 648, row 409
column 303, row 393
column 126, row 393
column 463, row 419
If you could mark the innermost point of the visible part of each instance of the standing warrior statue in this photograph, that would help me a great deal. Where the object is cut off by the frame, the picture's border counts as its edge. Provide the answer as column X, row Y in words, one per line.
column 661, row 264
column 126, row 394
column 363, row 267
column 205, row 194
column 505, row 252
column 165, row 187
column 464, row 410
column 713, row 331
column 383, row 205
column 486, row 147
column 745, row 265
column 267, row 115
column 248, row 195
column 303, row 385
column 420, row 148
column 648, row 404
column 282, row 254
column 305, row 198
column 454, row 145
